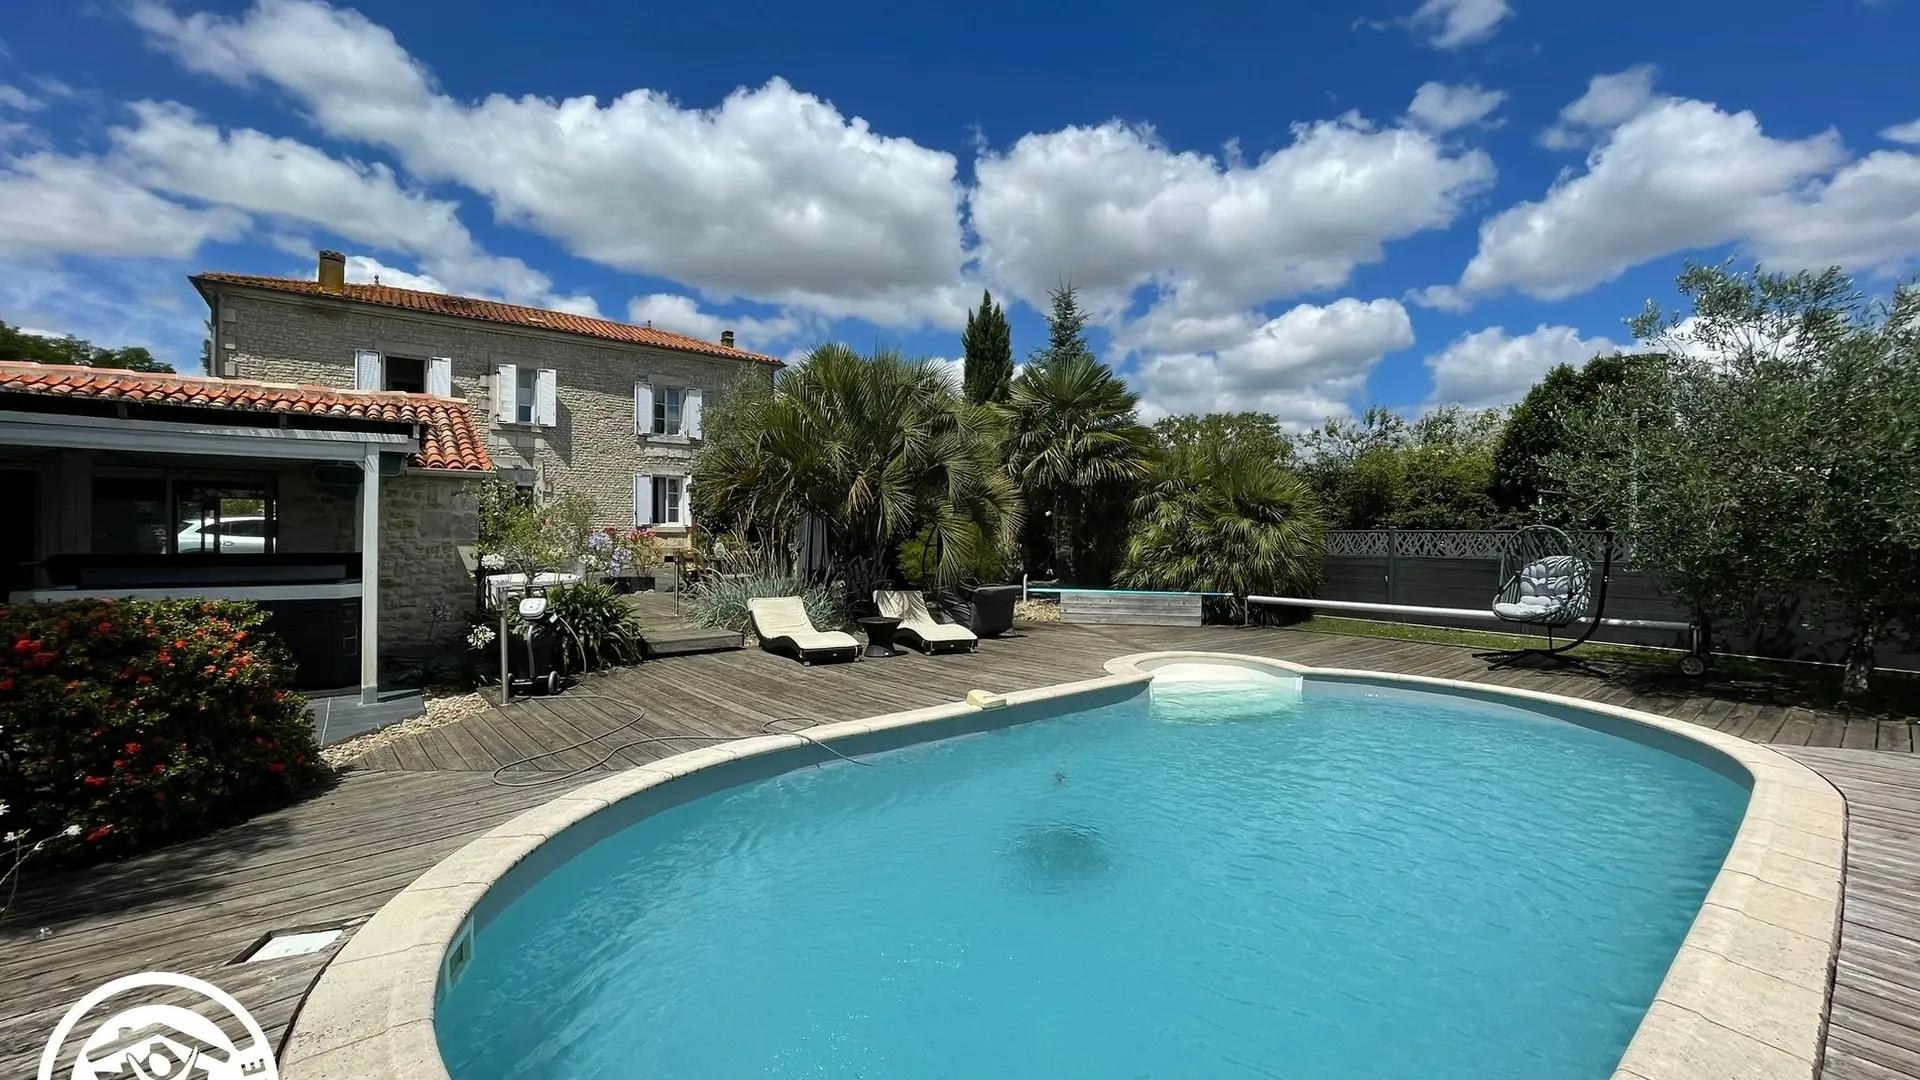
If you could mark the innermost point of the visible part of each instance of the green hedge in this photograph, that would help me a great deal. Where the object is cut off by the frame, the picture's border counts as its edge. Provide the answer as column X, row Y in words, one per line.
column 127, row 725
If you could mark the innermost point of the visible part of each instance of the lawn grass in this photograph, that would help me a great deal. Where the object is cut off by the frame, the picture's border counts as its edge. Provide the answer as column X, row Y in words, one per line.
column 1895, row 695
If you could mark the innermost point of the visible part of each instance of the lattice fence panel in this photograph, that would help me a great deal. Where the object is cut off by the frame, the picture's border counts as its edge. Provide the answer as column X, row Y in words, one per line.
column 1454, row 544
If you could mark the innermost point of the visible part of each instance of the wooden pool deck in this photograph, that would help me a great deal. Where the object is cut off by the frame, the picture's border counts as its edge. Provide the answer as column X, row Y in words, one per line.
column 336, row 858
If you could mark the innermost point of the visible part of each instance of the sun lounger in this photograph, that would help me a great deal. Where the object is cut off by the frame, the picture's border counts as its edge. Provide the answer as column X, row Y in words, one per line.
column 782, row 626
column 918, row 626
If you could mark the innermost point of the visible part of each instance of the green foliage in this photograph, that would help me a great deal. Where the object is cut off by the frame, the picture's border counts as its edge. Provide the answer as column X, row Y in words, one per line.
column 1255, row 433
column 1383, row 472
column 877, row 450
column 1066, row 328
column 733, row 423
column 741, row 572
column 595, row 627
column 1536, row 431
column 127, row 725
column 17, row 344
column 987, row 346
column 1077, row 447
column 530, row 536
column 1771, row 453
column 920, row 562
column 1225, row 517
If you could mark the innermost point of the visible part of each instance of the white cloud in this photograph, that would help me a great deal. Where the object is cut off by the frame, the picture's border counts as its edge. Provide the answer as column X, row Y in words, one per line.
column 1439, row 107
column 1490, row 368
column 367, row 270
column 1301, row 366
column 111, row 303
column 169, row 149
column 51, row 205
column 1112, row 209
column 1610, row 100
column 1681, row 175
column 12, row 97
column 1451, row 24
column 682, row 315
column 1908, row 133
column 772, row 194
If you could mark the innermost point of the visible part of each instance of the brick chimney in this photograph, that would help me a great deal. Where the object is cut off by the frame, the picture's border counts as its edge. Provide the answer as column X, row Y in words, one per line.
column 333, row 271
column 726, row 339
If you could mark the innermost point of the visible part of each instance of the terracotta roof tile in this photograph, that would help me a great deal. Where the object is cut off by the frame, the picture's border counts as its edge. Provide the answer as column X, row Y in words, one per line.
column 450, row 439
column 467, row 307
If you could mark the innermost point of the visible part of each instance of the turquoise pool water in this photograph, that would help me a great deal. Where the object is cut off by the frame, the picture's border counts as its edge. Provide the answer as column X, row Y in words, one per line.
column 1358, row 883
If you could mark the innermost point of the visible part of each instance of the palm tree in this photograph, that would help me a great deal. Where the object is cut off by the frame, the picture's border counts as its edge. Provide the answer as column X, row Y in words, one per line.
column 1074, row 432
column 1221, row 518
column 877, row 450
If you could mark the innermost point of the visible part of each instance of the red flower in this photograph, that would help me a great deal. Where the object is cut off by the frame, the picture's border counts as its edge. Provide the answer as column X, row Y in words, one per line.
column 179, row 643
column 104, row 628
column 232, row 672
column 99, row 834
column 26, row 645
column 6, row 684
column 158, row 769
column 274, row 766
column 96, row 781
column 120, row 763
column 144, row 680
column 133, row 748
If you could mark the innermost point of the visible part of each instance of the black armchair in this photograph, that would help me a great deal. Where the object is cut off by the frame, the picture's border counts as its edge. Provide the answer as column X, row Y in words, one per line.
column 986, row 610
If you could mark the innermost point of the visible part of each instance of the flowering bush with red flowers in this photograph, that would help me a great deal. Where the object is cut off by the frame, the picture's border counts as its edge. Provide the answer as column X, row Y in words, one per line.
column 129, row 724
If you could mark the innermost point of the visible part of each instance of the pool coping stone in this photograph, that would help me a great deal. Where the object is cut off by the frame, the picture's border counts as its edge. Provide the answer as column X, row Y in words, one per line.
column 1746, row 997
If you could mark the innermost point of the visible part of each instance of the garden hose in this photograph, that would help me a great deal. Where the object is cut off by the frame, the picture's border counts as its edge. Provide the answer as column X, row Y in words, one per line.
column 640, row 714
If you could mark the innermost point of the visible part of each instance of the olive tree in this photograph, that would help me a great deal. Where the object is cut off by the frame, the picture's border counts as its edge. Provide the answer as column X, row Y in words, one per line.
column 1770, row 453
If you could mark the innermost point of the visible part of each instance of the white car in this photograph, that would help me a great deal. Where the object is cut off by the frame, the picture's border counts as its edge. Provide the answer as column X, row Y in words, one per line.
column 230, row 536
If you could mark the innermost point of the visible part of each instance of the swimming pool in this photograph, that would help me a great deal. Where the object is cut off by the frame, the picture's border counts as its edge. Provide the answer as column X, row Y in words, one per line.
column 1251, row 876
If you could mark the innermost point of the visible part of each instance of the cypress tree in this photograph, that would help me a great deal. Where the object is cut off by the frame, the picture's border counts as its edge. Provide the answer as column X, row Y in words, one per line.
column 987, row 345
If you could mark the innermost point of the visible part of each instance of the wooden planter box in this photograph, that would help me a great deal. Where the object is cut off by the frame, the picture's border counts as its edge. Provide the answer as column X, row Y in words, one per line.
column 1131, row 609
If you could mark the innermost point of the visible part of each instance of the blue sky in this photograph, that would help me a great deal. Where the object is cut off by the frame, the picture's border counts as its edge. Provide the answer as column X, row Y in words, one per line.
column 1305, row 209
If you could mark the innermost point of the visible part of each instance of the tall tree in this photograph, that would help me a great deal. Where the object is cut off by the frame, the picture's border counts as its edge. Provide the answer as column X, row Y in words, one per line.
column 1075, row 441
column 1536, row 431
column 17, row 344
column 1259, row 434
column 987, row 344
column 1381, row 471
column 1770, row 457
column 878, row 449
column 1066, row 327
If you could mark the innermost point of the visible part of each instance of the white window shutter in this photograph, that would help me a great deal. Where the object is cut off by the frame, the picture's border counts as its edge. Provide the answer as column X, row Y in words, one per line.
column 690, row 414
column 506, row 381
column 642, row 499
column 686, row 498
column 642, row 409
column 546, row 399
column 366, row 370
column 440, row 376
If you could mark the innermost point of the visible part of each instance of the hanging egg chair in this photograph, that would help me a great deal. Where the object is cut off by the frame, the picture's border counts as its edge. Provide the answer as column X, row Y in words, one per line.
column 1553, row 586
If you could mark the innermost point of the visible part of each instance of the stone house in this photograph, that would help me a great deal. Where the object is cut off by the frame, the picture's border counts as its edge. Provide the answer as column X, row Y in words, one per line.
column 564, row 402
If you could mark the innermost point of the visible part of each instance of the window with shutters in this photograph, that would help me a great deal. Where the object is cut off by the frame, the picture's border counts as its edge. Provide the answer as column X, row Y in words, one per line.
column 668, row 493
column 405, row 373
column 667, row 406
column 526, row 380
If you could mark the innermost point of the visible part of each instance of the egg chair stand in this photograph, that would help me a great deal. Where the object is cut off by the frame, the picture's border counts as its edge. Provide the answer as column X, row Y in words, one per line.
column 1554, row 590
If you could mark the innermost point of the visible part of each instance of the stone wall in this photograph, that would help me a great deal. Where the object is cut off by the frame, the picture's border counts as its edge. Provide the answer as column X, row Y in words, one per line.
column 311, row 520
column 593, row 448
column 424, row 518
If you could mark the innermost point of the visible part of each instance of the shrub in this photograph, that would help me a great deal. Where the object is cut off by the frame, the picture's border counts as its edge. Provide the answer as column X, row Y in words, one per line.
column 145, row 722
column 594, row 627
column 722, row 600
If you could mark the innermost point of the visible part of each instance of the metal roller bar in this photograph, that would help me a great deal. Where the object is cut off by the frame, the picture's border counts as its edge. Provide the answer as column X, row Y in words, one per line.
column 1481, row 614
